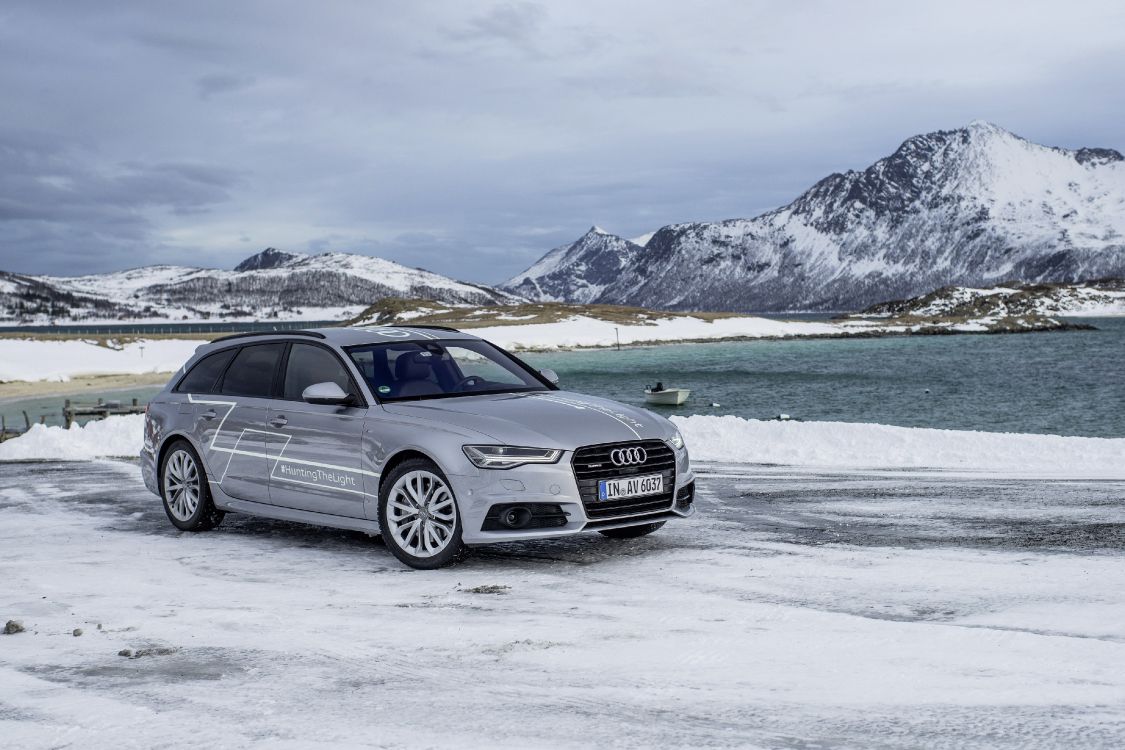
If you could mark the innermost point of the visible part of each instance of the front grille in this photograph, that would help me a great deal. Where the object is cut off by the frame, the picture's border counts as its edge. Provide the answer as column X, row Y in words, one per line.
column 593, row 463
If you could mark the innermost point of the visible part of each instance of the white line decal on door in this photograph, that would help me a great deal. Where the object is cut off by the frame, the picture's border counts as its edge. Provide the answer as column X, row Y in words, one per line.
column 329, row 472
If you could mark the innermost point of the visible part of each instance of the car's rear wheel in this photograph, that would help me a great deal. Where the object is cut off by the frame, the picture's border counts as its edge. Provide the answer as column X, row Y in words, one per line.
column 418, row 516
column 184, row 489
column 632, row 532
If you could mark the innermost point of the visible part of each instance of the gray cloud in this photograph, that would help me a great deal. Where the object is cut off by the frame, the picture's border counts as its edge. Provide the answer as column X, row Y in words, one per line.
column 221, row 83
column 470, row 137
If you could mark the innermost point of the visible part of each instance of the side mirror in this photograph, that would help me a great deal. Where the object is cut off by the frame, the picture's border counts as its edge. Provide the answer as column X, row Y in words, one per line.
column 326, row 393
column 551, row 376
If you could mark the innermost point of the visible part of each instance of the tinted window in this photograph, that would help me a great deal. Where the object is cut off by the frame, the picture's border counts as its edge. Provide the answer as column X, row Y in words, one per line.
column 201, row 378
column 253, row 370
column 309, row 365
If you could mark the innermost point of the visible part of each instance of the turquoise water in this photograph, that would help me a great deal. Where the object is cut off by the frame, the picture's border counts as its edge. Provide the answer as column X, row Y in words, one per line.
column 1068, row 383
column 1065, row 383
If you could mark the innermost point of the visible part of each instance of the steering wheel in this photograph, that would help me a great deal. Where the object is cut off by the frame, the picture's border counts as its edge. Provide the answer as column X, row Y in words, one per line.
column 470, row 380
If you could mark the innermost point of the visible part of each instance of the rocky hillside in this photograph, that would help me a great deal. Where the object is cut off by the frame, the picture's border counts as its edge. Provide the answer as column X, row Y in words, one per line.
column 971, row 207
column 578, row 272
column 1009, row 301
column 271, row 284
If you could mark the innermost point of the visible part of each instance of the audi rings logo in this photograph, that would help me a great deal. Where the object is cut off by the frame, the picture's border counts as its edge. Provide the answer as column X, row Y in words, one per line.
column 628, row 456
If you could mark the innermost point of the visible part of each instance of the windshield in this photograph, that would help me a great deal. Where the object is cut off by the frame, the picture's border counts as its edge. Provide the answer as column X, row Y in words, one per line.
column 414, row 370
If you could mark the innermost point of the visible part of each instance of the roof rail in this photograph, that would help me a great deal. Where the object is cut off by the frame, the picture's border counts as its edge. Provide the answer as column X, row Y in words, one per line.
column 432, row 328
column 310, row 334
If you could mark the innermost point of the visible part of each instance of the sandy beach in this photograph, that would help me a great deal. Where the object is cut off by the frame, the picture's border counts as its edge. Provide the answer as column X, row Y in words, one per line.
column 21, row 389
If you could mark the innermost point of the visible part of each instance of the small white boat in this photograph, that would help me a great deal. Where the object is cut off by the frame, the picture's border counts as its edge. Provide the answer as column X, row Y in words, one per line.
column 667, row 396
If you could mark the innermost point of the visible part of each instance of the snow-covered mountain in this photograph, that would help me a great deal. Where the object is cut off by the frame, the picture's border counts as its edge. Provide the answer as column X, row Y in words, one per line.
column 270, row 285
column 972, row 206
column 578, row 272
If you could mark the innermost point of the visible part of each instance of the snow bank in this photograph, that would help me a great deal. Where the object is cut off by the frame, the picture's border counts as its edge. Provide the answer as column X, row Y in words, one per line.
column 35, row 359
column 114, row 436
column 849, row 445
column 736, row 440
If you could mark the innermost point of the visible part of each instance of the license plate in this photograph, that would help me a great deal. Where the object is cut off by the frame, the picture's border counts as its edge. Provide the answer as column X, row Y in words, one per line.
column 615, row 489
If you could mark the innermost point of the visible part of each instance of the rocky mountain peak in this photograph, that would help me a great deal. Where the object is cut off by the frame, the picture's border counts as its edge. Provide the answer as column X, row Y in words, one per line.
column 271, row 257
column 1097, row 156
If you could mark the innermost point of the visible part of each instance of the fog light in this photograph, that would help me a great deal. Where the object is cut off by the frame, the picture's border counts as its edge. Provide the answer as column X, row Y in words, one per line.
column 515, row 518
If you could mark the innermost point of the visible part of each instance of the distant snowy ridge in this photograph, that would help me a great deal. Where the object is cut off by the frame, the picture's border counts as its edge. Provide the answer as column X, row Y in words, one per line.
column 1097, row 298
column 969, row 207
column 271, row 284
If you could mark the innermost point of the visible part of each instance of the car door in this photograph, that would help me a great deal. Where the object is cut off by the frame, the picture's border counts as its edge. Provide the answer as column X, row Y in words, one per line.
column 316, row 448
column 239, row 411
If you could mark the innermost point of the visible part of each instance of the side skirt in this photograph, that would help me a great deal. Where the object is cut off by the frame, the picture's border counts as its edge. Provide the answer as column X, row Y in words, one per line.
column 233, row 505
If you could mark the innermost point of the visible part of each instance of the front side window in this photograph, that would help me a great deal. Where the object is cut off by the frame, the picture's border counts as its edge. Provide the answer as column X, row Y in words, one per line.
column 413, row 370
column 252, row 372
column 309, row 365
column 201, row 378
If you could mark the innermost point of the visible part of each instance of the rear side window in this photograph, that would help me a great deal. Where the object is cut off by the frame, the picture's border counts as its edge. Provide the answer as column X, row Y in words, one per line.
column 201, row 378
column 309, row 365
column 253, row 370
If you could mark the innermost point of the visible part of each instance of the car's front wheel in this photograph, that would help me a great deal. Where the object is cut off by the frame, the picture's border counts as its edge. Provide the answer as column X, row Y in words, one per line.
column 632, row 532
column 184, row 489
column 418, row 516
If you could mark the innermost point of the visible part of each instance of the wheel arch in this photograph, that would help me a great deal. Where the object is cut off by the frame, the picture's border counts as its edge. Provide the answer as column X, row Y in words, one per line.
column 401, row 456
column 168, row 442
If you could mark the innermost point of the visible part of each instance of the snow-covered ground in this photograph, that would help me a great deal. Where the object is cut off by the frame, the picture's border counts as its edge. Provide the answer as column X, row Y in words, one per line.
column 795, row 610
column 830, row 445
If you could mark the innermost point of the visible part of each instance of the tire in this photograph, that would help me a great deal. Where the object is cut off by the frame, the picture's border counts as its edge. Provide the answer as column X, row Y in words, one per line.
column 185, row 491
column 418, row 516
column 632, row 532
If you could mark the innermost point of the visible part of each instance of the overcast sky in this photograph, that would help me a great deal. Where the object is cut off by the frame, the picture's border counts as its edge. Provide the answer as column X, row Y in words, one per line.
column 471, row 137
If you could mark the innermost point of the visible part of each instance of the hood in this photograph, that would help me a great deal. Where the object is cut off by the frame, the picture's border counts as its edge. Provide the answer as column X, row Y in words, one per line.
column 550, row 419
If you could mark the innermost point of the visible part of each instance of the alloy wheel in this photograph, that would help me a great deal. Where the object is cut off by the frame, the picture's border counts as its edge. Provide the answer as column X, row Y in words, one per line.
column 421, row 514
column 182, row 488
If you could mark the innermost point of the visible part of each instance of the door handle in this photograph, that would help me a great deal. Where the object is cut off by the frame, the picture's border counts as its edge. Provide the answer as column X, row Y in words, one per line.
column 279, row 421
column 209, row 414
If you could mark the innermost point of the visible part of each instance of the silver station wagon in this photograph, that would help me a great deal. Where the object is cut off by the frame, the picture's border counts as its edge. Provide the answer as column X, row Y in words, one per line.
column 432, row 437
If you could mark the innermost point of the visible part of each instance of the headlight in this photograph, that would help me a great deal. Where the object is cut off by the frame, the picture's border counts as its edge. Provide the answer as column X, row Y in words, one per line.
column 677, row 440
column 508, row 456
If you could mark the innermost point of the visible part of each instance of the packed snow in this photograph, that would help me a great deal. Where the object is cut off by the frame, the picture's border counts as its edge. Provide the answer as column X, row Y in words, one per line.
column 793, row 611
column 43, row 359
column 736, row 440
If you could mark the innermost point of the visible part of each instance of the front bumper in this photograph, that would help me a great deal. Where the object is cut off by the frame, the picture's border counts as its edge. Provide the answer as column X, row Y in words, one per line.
column 549, row 485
